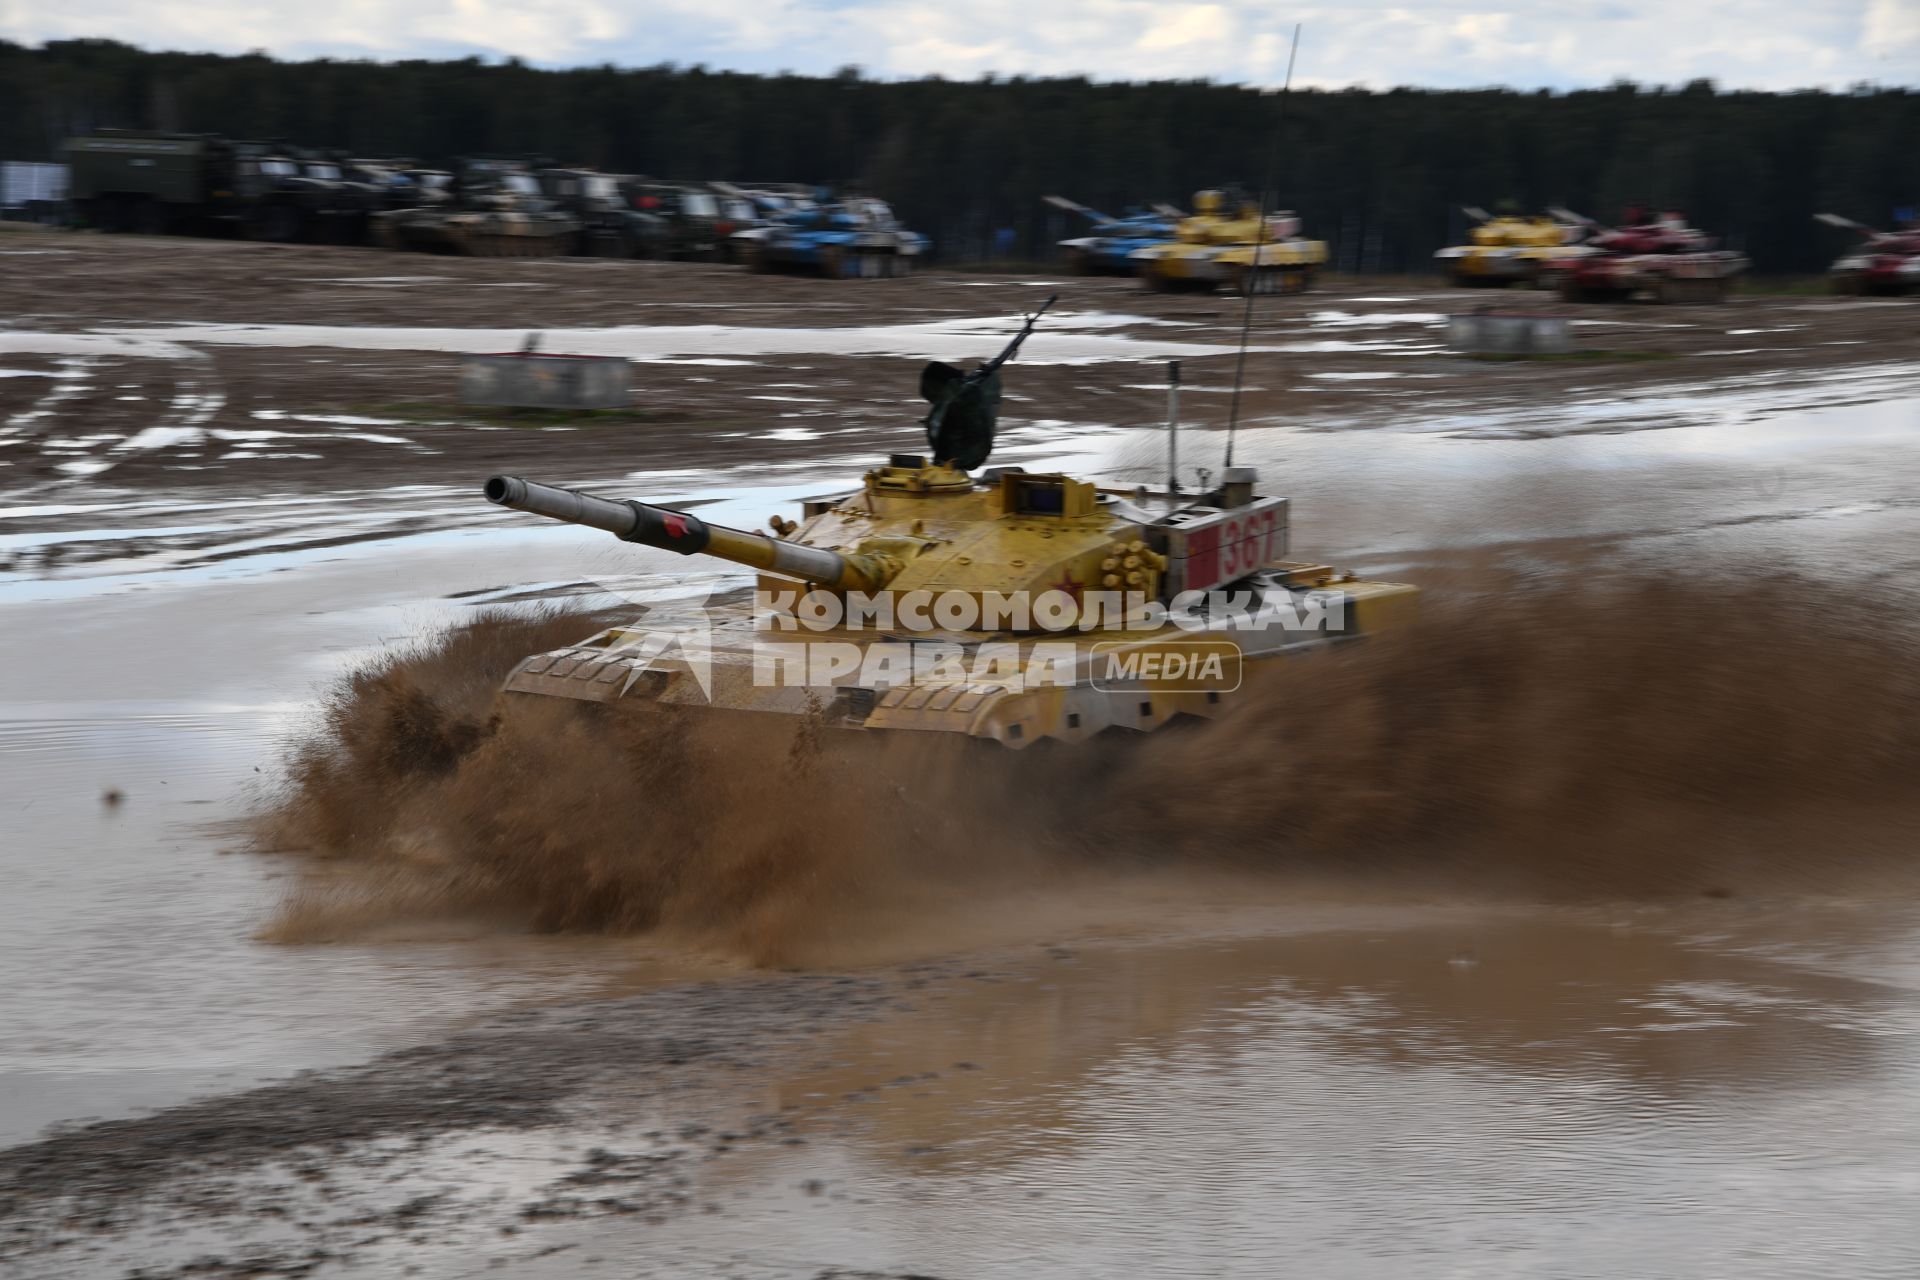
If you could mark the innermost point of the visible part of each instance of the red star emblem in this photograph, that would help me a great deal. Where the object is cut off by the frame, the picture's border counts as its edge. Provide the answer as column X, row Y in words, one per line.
column 1068, row 585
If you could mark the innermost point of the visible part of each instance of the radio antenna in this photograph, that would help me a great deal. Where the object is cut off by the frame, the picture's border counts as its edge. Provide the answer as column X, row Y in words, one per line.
column 1259, row 242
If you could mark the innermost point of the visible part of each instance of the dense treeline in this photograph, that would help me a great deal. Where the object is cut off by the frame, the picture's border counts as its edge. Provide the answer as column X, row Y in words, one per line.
column 1379, row 174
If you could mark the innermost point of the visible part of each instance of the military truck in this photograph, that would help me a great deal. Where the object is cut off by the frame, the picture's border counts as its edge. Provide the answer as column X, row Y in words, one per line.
column 201, row 183
column 331, row 201
column 125, row 180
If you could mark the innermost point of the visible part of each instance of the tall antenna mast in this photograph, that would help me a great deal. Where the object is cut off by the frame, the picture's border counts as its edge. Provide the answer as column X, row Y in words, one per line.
column 1259, row 242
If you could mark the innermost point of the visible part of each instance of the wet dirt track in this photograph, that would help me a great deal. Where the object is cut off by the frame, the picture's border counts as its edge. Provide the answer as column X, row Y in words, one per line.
column 1150, row 1073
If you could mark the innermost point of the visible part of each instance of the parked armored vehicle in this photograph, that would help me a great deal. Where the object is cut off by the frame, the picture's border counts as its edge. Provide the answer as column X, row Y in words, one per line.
column 333, row 203
column 1010, row 606
column 399, row 183
column 853, row 237
column 496, row 209
column 1227, row 242
column 1509, row 248
column 1883, row 262
column 610, row 225
column 694, row 220
column 1110, row 249
column 757, row 210
column 1661, row 258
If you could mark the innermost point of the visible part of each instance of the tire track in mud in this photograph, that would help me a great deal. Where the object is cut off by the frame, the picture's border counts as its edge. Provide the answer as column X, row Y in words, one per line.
column 70, row 378
column 65, row 458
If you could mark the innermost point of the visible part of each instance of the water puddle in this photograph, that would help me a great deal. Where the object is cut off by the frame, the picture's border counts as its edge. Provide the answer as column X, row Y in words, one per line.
column 130, row 345
column 1371, row 319
column 1432, row 1093
column 1371, row 375
column 1070, row 338
column 1794, row 407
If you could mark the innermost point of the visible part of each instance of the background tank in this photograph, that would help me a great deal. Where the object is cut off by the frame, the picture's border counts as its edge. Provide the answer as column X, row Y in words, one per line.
column 1659, row 257
column 494, row 210
column 1110, row 249
column 756, row 210
column 1509, row 248
column 1884, row 261
column 856, row 237
column 1224, row 243
column 1011, row 607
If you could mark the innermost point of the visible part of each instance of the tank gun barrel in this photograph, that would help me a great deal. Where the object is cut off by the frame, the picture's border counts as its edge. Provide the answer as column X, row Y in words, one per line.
column 1094, row 216
column 632, row 521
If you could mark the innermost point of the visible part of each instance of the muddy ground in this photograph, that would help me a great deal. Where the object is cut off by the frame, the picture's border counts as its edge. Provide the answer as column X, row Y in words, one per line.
column 353, row 418
column 415, row 1152
column 185, row 499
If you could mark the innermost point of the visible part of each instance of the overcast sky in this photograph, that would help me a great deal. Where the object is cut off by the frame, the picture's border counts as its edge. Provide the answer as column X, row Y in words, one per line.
column 1772, row 44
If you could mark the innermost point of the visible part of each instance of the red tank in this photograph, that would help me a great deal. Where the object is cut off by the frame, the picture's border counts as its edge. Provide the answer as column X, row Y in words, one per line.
column 1662, row 258
column 1884, row 262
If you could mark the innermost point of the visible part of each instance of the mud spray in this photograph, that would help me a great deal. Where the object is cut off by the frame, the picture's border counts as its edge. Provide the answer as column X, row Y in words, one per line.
column 1622, row 735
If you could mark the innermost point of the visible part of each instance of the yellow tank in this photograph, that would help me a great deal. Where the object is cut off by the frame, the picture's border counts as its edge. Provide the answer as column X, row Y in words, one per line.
column 1510, row 249
column 1224, row 243
column 1011, row 606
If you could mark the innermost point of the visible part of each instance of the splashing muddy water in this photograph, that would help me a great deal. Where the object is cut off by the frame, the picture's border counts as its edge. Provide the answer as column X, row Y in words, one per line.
column 1615, row 736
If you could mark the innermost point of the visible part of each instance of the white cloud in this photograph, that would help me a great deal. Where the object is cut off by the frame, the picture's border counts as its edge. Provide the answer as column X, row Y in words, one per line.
column 1740, row 43
column 1892, row 28
column 1205, row 25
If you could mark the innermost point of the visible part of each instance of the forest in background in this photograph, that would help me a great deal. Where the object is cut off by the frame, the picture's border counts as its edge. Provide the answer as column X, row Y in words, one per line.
column 1381, row 175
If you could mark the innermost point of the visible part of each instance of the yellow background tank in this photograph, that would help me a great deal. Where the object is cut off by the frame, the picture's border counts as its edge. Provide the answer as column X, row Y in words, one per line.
column 1508, row 249
column 1223, row 243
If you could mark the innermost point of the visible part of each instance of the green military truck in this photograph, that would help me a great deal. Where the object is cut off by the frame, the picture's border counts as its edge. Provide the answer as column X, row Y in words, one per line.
column 149, row 182
column 199, row 183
